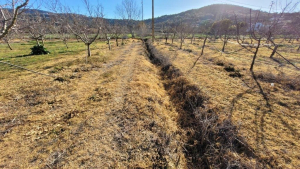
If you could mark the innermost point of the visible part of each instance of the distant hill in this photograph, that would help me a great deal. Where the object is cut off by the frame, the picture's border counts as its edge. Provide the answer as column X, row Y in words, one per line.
column 32, row 11
column 195, row 16
column 211, row 12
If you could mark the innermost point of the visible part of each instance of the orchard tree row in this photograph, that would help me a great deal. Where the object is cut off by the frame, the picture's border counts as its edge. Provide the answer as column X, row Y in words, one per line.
column 250, row 32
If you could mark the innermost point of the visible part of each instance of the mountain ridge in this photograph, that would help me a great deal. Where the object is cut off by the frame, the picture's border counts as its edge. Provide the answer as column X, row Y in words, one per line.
column 197, row 16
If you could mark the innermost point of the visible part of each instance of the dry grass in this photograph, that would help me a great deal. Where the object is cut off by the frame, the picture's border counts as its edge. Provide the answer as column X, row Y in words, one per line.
column 110, row 113
column 271, row 129
column 212, row 141
column 121, row 111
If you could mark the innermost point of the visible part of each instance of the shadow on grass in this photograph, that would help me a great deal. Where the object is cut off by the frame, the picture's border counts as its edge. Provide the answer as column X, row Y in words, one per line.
column 259, row 119
column 21, row 56
column 209, row 138
column 262, row 91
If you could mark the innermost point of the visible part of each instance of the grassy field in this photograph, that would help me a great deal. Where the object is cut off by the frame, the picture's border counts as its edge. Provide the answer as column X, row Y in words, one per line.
column 119, row 110
column 111, row 112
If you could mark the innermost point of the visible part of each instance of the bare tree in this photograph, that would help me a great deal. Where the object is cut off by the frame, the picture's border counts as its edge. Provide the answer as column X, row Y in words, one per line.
column 275, row 26
column 183, row 32
column 142, row 29
column 263, row 28
column 222, row 29
column 37, row 26
column 63, row 31
column 166, row 31
column 193, row 32
column 129, row 12
column 58, row 22
column 60, row 27
column 9, row 20
column 107, row 31
column 10, row 36
column 174, row 31
column 202, row 52
column 205, row 29
column 254, row 32
column 117, row 31
column 87, row 29
column 214, row 30
column 294, row 27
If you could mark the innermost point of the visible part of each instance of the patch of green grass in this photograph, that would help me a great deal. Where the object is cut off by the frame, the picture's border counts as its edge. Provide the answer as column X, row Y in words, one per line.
column 67, row 63
column 20, row 53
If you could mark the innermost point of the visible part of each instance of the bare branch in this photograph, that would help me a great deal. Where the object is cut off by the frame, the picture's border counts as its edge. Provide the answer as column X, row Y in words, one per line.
column 8, row 26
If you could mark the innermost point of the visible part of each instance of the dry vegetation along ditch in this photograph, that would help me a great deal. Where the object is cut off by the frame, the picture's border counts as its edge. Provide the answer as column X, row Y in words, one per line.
column 112, row 113
column 211, row 141
column 270, row 127
column 137, row 107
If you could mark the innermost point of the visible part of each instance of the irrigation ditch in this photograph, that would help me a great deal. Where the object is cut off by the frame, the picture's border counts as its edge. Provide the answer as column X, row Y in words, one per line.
column 210, row 141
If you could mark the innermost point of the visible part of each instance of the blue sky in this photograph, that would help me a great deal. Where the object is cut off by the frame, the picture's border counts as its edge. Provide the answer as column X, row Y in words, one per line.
column 165, row 7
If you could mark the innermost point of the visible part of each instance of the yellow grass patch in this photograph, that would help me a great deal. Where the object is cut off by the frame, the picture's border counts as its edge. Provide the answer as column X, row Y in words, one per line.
column 272, row 131
column 111, row 112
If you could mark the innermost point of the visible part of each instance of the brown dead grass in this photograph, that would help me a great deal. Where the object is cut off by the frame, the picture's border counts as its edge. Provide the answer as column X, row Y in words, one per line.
column 108, row 114
column 114, row 112
column 272, row 131
column 212, row 141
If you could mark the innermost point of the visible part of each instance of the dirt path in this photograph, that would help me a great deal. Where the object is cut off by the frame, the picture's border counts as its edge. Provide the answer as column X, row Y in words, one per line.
column 136, row 127
column 113, row 115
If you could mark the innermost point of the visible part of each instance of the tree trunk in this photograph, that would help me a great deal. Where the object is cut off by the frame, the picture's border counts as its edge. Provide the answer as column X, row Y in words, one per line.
column 224, row 44
column 65, row 42
column 88, row 50
column 132, row 33
column 122, row 41
column 274, row 51
column 43, row 42
column 202, row 52
column 193, row 38
column 173, row 37
column 181, row 42
column 298, row 48
column 9, row 45
column 37, row 42
column 108, row 42
column 117, row 41
column 255, row 55
column 203, row 46
column 166, row 40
